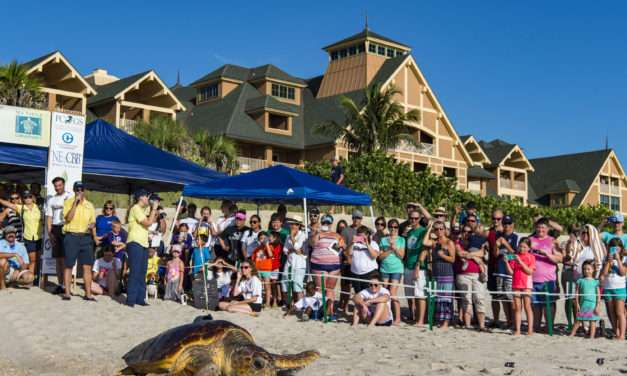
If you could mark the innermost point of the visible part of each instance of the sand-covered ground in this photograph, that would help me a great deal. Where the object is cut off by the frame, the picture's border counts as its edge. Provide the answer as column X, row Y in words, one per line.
column 42, row 335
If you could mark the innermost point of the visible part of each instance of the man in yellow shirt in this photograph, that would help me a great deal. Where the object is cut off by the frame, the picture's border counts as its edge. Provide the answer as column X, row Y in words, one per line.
column 31, row 217
column 78, row 243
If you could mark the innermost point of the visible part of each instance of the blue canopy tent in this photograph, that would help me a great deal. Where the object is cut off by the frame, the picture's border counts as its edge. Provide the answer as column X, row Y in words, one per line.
column 278, row 184
column 114, row 161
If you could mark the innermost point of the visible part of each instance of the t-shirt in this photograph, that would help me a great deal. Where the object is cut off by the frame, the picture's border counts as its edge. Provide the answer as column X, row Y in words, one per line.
column 232, row 236
column 314, row 302
column 84, row 216
column 251, row 288
column 261, row 259
column 54, row 207
column 294, row 260
column 223, row 278
column 153, row 265
column 277, row 251
column 106, row 267
column 545, row 269
column 607, row 236
column 199, row 256
column 367, row 294
column 362, row 261
column 250, row 241
column 501, row 268
column 415, row 237
column 225, row 222
column 613, row 280
column 103, row 224
column 336, row 173
column 32, row 221
column 585, row 254
column 136, row 231
column 471, row 265
column 588, row 290
column 476, row 241
column 16, row 247
column 392, row 263
column 111, row 237
column 520, row 279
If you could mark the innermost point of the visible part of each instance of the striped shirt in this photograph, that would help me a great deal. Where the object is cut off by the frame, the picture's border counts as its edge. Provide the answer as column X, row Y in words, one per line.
column 326, row 251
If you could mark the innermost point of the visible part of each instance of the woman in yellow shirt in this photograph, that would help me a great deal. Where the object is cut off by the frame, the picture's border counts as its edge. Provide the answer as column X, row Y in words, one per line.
column 31, row 217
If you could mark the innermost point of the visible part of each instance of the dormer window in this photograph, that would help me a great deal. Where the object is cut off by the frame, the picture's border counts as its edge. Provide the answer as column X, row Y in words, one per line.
column 207, row 93
column 283, row 91
column 372, row 48
column 381, row 50
column 348, row 51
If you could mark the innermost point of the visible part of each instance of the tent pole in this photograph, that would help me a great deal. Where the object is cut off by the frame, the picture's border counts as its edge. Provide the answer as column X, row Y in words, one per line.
column 176, row 215
column 257, row 208
column 374, row 226
column 306, row 219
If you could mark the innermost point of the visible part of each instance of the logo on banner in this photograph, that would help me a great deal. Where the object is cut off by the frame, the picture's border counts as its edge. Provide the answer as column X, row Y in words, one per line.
column 67, row 137
column 28, row 126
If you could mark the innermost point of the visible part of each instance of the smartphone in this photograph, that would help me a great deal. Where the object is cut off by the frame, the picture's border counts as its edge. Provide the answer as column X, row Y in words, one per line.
column 613, row 250
column 359, row 239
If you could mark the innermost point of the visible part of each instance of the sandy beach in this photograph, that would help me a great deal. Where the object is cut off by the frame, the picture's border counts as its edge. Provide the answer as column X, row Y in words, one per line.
column 42, row 335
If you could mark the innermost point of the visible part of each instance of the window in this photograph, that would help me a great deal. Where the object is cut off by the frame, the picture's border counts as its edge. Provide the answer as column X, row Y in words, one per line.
column 352, row 50
column 449, row 172
column 390, row 52
column 343, row 53
column 419, row 167
column 334, row 55
column 361, row 48
column 381, row 50
column 279, row 122
column 399, row 53
column 372, row 48
column 558, row 200
column 605, row 201
column 283, row 91
column 615, row 203
column 208, row 92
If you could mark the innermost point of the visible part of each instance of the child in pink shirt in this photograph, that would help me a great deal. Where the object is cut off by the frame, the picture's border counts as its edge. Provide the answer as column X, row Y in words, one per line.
column 521, row 267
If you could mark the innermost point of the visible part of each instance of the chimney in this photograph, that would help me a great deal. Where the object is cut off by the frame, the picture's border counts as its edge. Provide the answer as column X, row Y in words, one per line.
column 100, row 77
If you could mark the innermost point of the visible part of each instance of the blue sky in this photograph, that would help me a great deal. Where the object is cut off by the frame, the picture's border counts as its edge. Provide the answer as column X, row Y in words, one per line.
column 549, row 75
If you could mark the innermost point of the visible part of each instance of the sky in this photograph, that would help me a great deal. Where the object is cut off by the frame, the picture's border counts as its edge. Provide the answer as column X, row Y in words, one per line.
column 548, row 75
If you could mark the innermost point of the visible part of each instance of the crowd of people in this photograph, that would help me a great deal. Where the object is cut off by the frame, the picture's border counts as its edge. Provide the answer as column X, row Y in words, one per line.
column 323, row 267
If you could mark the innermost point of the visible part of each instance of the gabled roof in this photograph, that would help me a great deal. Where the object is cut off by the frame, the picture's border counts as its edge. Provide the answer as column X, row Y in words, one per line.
column 480, row 173
column 566, row 173
column 239, row 73
column 365, row 33
column 115, row 89
column 37, row 63
column 497, row 150
column 269, row 102
column 469, row 139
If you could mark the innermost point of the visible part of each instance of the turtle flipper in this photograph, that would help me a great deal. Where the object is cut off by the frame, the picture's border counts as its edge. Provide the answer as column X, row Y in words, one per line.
column 295, row 361
column 128, row 371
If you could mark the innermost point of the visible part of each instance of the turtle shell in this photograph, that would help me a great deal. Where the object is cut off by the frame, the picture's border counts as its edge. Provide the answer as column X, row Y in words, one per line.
column 161, row 351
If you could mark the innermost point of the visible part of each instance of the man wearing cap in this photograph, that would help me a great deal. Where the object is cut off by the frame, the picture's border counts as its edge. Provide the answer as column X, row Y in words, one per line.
column 617, row 222
column 78, row 243
column 31, row 217
column 231, row 239
column 141, row 216
column 54, row 223
column 13, row 260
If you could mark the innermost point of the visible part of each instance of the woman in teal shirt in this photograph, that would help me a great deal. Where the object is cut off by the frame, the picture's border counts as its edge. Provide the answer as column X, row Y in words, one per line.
column 391, row 264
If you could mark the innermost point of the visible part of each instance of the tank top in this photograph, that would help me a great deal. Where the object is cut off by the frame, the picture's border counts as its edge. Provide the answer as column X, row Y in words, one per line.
column 545, row 270
column 440, row 266
column 326, row 250
column 174, row 270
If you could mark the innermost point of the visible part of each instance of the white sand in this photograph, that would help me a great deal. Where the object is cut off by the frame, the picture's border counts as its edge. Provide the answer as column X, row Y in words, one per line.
column 42, row 335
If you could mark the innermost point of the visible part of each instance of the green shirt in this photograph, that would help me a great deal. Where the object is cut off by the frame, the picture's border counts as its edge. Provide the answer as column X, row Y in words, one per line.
column 415, row 238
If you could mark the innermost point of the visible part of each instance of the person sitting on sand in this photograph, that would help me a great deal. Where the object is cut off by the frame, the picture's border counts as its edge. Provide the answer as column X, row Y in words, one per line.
column 13, row 261
column 106, row 271
column 372, row 305
column 222, row 272
column 309, row 307
column 247, row 293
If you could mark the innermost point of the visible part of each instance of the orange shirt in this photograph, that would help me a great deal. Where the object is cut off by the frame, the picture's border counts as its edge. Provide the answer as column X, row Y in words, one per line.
column 261, row 259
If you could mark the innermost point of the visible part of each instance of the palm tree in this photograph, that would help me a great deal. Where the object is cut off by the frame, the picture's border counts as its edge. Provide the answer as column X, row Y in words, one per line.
column 18, row 88
column 164, row 133
column 217, row 151
column 377, row 124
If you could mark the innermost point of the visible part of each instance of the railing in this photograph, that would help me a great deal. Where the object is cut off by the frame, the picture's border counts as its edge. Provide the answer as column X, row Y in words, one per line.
column 247, row 164
column 519, row 185
column 614, row 190
column 420, row 148
column 505, row 183
column 516, row 185
column 128, row 125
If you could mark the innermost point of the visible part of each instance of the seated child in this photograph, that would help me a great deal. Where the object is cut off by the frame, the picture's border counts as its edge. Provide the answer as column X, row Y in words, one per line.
column 116, row 237
column 106, row 271
column 174, row 276
column 310, row 306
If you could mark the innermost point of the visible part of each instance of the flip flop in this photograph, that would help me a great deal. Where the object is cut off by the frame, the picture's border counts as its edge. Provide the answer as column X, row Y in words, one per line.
column 66, row 297
column 89, row 298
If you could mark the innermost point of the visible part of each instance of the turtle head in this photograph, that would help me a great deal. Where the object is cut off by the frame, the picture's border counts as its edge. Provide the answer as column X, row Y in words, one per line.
column 254, row 361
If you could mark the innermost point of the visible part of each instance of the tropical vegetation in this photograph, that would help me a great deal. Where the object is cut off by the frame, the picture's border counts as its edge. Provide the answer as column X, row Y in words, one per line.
column 18, row 88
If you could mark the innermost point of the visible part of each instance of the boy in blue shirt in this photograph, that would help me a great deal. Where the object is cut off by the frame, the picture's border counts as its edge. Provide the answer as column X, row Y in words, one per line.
column 201, row 254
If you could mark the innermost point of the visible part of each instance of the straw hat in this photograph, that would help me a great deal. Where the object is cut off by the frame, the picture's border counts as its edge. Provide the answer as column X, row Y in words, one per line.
column 297, row 219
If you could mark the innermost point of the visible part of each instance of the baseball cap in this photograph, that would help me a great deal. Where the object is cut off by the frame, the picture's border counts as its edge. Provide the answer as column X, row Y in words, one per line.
column 327, row 219
column 507, row 220
column 240, row 216
column 140, row 193
column 78, row 185
column 9, row 230
column 357, row 214
column 154, row 197
column 314, row 210
column 617, row 218
column 26, row 193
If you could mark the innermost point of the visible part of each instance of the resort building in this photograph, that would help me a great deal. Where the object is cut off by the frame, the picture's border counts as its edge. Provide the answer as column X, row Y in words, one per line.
column 125, row 101
column 64, row 88
column 582, row 179
column 272, row 114
column 478, row 176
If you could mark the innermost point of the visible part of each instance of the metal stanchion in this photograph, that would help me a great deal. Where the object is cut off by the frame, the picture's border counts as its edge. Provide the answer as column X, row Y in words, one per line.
column 430, row 304
column 290, row 286
column 569, row 305
column 549, row 317
column 324, row 301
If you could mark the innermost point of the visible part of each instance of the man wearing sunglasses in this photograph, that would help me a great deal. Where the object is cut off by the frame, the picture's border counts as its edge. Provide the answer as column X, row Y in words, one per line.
column 372, row 305
column 78, row 243
column 410, row 208
column 414, row 270
column 494, row 234
column 54, row 225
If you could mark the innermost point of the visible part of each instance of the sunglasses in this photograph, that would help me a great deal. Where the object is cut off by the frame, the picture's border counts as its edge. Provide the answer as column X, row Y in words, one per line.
column 108, row 208
column 380, row 224
column 373, row 284
column 15, row 197
column 314, row 215
column 471, row 220
column 391, row 227
column 245, row 267
column 497, row 218
column 254, row 221
column 415, row 218
column 467, row 232
column 438, row 228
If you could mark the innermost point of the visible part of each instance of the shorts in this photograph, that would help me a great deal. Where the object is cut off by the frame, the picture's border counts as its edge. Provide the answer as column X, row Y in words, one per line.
column 609, row 294
column 418, row 289
column 470, row 282
column 391, row 276
column 503, row 288
column 78, row 247
column 33, row 245
column 325, row 268
column 57, row 246
column 274, row 275
column 298, row 278
column 256, row 307
column 265, row 274
column 541, row 298
column 362, row 285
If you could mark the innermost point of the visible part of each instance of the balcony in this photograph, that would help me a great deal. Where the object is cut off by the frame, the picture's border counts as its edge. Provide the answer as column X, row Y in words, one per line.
column 420, row 148
column 516, row 185
column 247, row 164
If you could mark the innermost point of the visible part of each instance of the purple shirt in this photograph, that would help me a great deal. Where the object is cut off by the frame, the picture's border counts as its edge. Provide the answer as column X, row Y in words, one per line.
column 545, row 269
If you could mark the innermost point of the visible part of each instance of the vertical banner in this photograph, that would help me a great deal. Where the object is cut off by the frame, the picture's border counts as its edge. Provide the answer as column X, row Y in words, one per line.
column 65, row 159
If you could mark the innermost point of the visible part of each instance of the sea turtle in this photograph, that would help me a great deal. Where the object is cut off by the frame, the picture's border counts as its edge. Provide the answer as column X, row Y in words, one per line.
column 209, row 348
